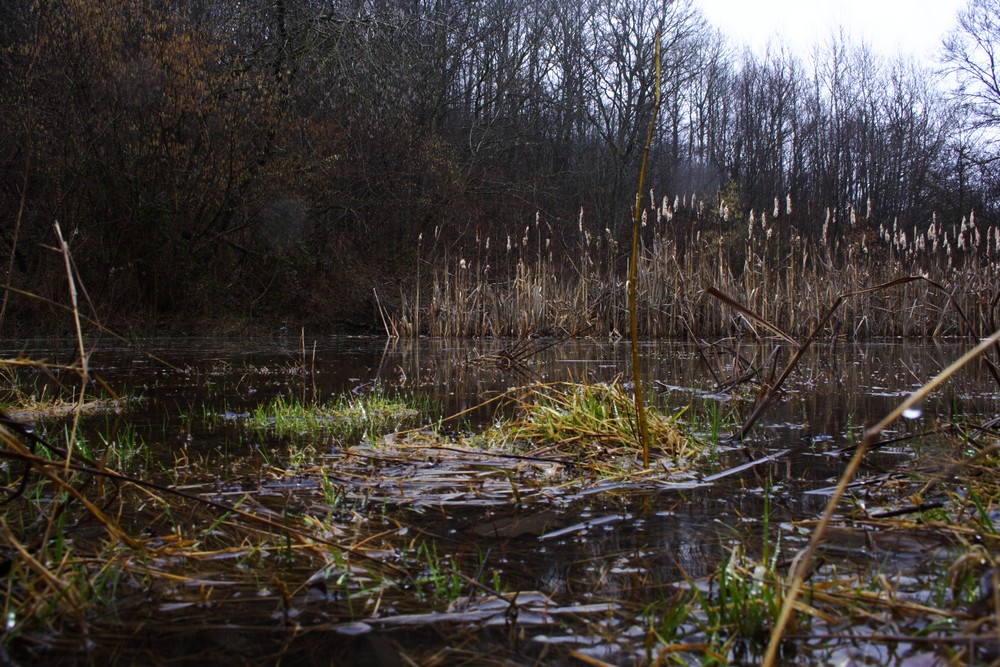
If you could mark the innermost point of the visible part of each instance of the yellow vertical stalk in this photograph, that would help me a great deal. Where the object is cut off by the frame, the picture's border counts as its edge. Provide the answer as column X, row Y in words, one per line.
column 640, row 405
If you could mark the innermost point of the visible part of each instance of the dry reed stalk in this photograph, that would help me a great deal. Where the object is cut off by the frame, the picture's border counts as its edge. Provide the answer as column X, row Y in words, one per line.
column 782, row 278
column 416, row 310
column 83, row 370
column 91, row 322
column 386, row 322
column 640, row 401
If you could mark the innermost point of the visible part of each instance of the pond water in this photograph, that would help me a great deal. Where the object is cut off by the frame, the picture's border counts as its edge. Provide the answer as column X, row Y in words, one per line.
column 595, row 557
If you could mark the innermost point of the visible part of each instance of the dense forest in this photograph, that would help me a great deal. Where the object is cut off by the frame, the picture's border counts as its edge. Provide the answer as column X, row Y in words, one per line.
column 285, row 162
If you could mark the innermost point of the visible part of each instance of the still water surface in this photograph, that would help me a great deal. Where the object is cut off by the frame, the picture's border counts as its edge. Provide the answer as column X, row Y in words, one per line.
column 599, row 546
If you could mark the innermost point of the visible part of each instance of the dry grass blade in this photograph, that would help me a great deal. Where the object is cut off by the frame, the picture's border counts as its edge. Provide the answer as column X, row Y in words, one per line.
column 62, row 590
column 746, row 466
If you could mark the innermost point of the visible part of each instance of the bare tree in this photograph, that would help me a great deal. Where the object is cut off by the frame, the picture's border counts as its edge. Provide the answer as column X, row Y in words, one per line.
column 620, row 83
column 767, row 110
column 972, row 54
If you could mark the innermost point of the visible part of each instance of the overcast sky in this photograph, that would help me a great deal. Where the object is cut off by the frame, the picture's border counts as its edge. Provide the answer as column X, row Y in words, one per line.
column 909, row 27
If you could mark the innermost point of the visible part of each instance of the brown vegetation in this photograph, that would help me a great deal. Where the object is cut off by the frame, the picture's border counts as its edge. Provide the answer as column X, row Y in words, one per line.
column 779, row 271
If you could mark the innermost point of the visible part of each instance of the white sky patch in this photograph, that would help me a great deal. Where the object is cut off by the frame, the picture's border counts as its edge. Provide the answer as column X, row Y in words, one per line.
column 910, row 28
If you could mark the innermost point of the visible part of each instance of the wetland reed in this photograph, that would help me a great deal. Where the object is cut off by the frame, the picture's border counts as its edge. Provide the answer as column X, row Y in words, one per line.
column 564, row 277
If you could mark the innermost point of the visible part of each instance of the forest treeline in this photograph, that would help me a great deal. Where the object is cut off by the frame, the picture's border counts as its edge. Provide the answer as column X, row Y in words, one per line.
column 284, row 161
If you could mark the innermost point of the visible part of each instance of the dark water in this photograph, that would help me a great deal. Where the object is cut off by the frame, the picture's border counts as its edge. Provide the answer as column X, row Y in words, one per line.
column 603, row 546
column 835, row 386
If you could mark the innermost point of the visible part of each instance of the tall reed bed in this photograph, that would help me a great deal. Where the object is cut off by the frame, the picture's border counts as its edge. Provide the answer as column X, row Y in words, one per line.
column 563, row 278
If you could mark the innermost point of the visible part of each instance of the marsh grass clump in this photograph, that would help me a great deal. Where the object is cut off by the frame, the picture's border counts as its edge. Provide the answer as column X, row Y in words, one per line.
column 747, row 598
column 590, row 422
column 731, row 612
column 29, row 400
column 370, row 414
column 438, row 577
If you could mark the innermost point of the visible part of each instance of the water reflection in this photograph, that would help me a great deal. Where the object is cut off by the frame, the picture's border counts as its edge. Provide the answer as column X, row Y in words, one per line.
column 834, row 385
column 619, row 545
